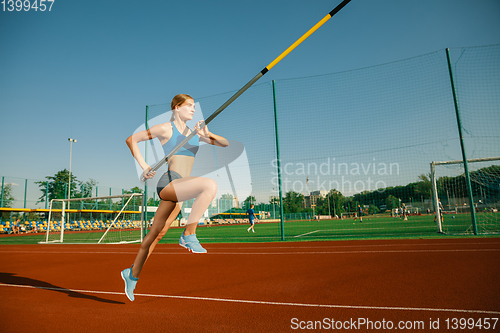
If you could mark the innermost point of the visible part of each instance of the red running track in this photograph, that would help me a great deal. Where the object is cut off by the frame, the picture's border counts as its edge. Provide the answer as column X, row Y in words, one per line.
column 265, row 287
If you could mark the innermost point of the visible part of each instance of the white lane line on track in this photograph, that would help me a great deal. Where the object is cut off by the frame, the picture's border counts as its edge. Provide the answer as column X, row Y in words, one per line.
column 321, row 230
column 328, row 246
column 213, row 299
column 333, row 247
column 259, row 253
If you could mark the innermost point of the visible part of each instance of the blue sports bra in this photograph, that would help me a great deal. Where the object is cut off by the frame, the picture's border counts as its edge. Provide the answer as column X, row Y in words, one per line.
column 190, row 148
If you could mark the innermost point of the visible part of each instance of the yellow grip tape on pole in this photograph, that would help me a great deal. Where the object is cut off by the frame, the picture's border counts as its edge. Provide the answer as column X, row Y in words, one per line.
column 300, row 40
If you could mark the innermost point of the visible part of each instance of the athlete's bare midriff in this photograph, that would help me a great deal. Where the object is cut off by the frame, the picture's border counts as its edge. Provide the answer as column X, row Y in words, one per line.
column 181, row 164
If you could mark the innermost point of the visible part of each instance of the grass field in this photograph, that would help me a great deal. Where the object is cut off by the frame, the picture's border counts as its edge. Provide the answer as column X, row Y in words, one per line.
column 307, row 230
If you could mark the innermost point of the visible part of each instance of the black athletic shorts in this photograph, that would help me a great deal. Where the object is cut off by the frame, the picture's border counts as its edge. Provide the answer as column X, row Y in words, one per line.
column 166, row 179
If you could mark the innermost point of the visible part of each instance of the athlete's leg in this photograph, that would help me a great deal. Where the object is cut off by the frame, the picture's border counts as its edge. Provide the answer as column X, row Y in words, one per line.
column 169, row 221
column 162, row 213
column 202, row 189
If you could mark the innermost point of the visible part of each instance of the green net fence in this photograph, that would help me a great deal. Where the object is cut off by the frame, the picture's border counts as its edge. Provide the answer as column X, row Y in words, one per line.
column 355, row 151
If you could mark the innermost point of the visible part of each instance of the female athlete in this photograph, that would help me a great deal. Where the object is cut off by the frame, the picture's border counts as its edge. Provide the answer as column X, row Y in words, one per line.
column 176, row 185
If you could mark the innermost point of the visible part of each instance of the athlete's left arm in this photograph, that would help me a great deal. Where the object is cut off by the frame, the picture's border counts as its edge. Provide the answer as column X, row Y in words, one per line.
column 209, row 137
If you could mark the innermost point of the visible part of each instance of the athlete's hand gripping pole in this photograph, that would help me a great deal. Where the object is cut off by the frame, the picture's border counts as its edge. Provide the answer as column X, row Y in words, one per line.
column 249, row 84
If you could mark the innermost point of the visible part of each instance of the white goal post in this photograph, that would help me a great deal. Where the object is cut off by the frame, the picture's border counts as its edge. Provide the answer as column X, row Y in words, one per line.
column 461, row 204
column 348, row 214
column 122, row 226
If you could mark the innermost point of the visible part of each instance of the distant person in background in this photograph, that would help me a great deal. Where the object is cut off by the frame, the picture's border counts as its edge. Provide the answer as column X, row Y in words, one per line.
column 404, row 212
column 440, row 211
column 251, row 218
column 15, row 228
column 360, row 214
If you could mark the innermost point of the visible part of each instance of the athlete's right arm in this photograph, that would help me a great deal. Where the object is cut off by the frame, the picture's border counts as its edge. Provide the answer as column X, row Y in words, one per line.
column 157, row 131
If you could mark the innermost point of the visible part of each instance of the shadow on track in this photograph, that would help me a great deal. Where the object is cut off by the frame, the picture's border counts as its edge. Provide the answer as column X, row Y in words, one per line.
column 11, row 278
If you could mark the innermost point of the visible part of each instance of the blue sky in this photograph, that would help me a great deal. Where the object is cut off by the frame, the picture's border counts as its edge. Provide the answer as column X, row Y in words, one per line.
column 87, row 69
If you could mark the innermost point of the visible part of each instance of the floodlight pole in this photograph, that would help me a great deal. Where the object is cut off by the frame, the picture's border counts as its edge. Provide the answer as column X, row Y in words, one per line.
column 70, row 153
column 1, row 198
column 329, row 209
column 144, row 203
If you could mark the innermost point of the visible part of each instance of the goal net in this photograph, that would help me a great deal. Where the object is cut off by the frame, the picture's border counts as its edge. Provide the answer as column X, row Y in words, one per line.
column 449, row 188
column 348, row 214
column 108, row 219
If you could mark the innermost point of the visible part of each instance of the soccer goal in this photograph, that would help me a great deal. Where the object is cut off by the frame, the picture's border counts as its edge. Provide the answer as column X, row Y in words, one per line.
column 451, row 197
column 348, row 214
column 108, row 219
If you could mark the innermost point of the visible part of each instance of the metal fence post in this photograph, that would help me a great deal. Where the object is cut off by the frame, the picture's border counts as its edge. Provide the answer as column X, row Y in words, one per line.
column 282, row 222
column 461, row 137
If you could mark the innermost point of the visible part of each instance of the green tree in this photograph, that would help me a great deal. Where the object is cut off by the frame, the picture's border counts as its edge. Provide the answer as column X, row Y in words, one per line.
column 248, row 201
column 7, row 199
column 136, row 202
column 424, row 186
column 321, row 206
column 228, row 197
column 391, row 202
column 293, row 202
column 58, row 186
column 274, row 200
column 274, row 205
column 7, row 196
column 152, row 202
column 337, row 201
column 373, row 209
column 86, row 188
